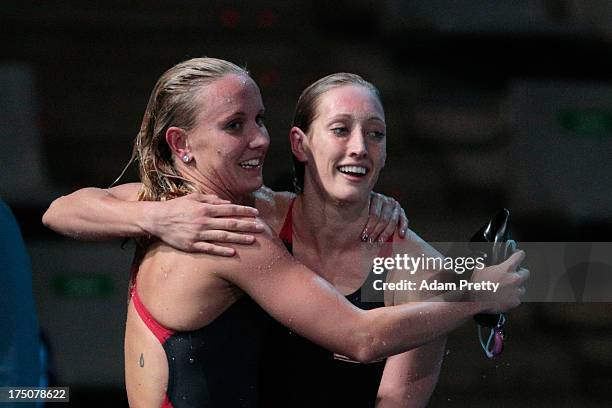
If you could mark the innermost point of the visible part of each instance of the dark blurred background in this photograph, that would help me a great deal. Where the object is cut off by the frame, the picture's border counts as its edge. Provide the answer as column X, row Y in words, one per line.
column 488, row 104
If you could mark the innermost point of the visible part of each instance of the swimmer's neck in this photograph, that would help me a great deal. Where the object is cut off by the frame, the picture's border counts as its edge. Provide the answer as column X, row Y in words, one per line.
column 212, row 185
column 326, row 224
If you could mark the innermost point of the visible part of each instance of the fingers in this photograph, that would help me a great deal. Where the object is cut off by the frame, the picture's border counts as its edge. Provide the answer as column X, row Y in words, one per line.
column 231, row 210
column 229, row 224
column 523, row 274
column 226, row 237
column 212, row 249
column 381, row 211
column 386, row 216
column 376, row 203
column 514, row 261
column 386, row 212
column 392, row 224
column 222, row 208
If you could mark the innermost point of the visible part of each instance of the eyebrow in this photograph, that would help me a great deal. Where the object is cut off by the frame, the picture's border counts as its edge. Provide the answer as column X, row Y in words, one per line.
column 240, row 114
column 349, row 116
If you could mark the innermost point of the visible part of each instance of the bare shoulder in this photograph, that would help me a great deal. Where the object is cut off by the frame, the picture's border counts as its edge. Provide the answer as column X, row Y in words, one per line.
column 273, row 206
column 183, row 291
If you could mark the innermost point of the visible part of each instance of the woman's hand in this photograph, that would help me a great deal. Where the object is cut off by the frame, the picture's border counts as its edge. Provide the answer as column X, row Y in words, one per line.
column 386, row 216
column 511, row 279
column 199, row 223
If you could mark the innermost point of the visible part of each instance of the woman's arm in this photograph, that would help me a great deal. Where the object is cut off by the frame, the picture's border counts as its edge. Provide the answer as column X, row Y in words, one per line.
column 97, row 214
column 410, row 378
column 309, row 305
column 188, row 223
column 191, row 223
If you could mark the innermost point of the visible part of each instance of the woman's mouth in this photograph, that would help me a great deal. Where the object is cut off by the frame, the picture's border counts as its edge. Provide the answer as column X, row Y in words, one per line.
column 353, row 171
column 250, row 164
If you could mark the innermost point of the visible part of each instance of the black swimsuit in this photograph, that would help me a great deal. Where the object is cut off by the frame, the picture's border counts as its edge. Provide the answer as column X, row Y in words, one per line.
column 217, row 365
column 299, row 373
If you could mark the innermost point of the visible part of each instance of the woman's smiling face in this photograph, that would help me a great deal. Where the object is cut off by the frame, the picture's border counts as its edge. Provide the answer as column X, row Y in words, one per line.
column 230, row 140
column 346, row 143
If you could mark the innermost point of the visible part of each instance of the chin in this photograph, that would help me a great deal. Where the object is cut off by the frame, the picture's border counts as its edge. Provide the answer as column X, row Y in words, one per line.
column 351, row 195
column 249, row 187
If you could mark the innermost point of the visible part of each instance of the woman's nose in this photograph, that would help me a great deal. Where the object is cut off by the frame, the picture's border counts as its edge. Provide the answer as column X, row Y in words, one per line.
column 260, row 138
column 357, row 145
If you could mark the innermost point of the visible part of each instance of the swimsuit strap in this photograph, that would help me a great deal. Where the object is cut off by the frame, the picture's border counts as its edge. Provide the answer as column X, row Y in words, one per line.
column 286, row 233
column 162, row 333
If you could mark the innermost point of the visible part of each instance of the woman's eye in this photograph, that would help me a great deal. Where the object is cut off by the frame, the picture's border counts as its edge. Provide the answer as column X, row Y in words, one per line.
column 376, row 135
column 261, row 120
column 340, row 130
column 233, row 126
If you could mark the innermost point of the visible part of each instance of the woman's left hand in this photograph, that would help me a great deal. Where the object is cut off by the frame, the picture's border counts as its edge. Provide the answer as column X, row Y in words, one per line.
column 386, row 217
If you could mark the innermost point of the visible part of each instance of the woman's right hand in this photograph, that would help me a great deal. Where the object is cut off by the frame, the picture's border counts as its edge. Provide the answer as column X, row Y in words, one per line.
column 200, row 222
column 511, row 279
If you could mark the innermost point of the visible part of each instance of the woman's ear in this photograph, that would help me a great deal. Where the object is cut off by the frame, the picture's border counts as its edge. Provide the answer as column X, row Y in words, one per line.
column 177, row 141
column 299, row 143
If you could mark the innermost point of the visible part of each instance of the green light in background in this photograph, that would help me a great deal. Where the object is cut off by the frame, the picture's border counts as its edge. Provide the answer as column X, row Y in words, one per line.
column 82, row 286
column 586, row 122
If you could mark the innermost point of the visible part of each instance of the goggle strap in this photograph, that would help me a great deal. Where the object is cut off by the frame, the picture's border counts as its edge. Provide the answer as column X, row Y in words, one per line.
column 496, row 336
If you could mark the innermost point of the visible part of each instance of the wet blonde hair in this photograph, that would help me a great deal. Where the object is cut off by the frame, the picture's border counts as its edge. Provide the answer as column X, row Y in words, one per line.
column 173, row 102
